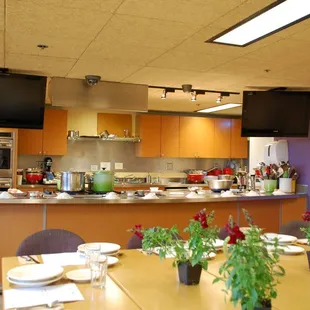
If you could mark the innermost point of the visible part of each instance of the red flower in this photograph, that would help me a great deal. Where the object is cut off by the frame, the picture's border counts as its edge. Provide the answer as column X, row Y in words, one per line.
column 202, row 217
column 306, row 216
column 234, row 231
column 138, row 231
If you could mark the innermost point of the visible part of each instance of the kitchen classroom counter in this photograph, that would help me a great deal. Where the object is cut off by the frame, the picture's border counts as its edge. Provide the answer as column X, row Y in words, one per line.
column 108, row 220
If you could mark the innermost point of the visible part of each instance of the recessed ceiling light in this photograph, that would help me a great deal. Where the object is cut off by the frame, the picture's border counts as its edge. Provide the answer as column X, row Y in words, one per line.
column 220, row 107
column 269, row 20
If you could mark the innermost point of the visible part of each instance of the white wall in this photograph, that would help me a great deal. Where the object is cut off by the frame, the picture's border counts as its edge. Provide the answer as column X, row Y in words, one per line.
column 257, row 151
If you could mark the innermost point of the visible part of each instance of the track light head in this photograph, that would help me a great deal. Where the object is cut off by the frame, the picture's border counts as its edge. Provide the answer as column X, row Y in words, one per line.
column 164, row 94
column 219, row 99
column 194, row 96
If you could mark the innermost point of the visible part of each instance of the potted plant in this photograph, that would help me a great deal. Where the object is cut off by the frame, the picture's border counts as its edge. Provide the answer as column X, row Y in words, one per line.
column 306, row 230
column 190, row 256
column 251, row 272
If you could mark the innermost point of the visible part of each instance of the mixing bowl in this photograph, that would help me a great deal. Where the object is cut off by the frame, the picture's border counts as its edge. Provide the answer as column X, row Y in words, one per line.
column 220, row 185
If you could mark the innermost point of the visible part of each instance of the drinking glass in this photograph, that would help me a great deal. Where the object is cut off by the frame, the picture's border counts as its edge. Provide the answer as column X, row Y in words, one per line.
column 98, row 270
column 89, row 250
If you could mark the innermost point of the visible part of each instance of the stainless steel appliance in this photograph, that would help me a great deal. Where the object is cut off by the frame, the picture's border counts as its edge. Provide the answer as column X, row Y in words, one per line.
column 6, row 159
column 72, row 181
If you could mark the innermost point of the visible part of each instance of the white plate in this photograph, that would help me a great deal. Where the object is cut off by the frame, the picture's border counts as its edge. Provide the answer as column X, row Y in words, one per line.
column 79, row 275
column 283, row 239
column 302, row 241
column 106, row 247
column 34, row 284
column 288, row 249
column 218, row 243
column 211, row 255
column 37, row 272
column 172, row 254
column 112, row 260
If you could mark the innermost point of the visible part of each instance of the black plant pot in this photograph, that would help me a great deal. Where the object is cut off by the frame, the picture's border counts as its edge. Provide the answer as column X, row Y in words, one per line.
column 264, row 308
column 308, row 255
column 266, row 305
column 188, row 274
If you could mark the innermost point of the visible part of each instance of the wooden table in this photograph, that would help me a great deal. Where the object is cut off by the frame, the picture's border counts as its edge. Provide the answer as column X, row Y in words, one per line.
column 141, row 281
column 111, row 298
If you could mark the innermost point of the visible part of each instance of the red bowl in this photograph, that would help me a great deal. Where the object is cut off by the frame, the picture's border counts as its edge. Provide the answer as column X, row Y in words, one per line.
column 195, row 178
column 34, row 177
column 228, row 171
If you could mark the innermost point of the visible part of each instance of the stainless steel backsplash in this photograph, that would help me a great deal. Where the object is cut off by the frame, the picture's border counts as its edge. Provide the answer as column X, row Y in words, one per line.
column 82, row 154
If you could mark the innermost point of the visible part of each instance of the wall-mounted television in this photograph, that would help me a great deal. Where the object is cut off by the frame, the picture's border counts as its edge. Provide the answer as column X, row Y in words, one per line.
column 22, row 101
column 275, row 114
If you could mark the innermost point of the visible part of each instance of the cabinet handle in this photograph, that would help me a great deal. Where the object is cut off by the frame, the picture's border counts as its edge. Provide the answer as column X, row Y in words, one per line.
column 40, row 152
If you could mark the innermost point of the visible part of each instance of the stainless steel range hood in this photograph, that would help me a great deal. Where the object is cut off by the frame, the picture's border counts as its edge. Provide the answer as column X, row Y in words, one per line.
column 66, row 92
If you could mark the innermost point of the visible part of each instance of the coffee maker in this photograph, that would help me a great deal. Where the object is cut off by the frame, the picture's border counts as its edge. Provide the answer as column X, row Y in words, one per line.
column 47, row 166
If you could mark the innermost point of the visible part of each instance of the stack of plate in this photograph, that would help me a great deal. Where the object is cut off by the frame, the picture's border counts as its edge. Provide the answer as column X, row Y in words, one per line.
column 34, row 275
column 282, row 239
column 106, row 248
column 218, row 244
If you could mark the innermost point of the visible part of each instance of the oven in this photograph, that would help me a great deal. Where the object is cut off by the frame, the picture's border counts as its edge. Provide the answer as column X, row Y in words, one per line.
column 6, row 155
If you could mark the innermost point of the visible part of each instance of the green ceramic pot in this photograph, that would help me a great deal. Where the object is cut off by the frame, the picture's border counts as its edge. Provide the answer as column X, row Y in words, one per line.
column 103, row 181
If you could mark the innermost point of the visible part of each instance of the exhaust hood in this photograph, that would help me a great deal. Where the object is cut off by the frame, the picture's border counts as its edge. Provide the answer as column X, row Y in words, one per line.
column 67, row 93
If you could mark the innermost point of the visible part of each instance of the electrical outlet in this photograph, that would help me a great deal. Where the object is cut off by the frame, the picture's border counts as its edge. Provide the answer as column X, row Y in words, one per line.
column 93, row 167
column 118, row 166
column 169, row 166
column 106, row 165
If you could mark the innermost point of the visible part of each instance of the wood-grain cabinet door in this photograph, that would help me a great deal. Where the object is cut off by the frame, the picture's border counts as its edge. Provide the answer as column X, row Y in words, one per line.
column 222, row 136
column 170, row 136
column 30, row 141
column 205, row 137
column 239, row 145
column 114, row 123
column 189, row 130
column 55, row 132
column 149, row 128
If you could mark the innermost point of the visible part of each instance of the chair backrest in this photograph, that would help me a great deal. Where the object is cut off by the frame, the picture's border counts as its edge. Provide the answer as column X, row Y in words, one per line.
column 293, row 228
column 49, row 241
column 223, row 233
column 136, row 243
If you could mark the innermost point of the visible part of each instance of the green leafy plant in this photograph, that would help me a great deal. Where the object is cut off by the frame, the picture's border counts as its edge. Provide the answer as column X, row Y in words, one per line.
column 251, row 271
column 200, row 243
column 306, row 230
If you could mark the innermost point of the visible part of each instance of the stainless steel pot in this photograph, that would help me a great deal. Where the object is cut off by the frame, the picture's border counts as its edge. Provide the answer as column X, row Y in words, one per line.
column 226, row 177
column 73, row 134
column 72, row 181
column 219, row 185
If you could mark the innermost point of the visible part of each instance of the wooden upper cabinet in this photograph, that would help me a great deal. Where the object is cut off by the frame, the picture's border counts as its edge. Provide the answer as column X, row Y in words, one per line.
column 30, row 141
column 114, row 123
column 239, row 145
column 222, row 137
column 149, row 130
column 205, row 137
column 55, row 132
column 189, row 130
column 170, row 136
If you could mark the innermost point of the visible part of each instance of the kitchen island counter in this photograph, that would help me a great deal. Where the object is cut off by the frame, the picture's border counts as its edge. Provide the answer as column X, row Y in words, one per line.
column 109, row 220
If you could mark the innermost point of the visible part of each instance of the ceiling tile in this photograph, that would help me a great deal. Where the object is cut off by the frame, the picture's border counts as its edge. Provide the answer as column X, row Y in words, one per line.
column 145, row 32
column 95, row 5
column 130, row 54
column 39, row 65
column 161, row 77
column 190, row 61
column 27, row 44
column 108, row 70
column 303, row 35
column 201, row 12
column 240, row 13
column 53, row 21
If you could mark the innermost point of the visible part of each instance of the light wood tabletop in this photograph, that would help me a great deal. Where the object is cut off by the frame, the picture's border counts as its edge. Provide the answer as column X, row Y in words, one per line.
column 110, row 298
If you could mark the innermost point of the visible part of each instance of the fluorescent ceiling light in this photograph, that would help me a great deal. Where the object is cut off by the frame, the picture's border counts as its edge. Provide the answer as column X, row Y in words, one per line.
column 220, row 107
column 271, row 19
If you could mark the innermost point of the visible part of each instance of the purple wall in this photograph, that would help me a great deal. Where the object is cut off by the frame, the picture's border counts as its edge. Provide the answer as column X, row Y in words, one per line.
column 299, row 156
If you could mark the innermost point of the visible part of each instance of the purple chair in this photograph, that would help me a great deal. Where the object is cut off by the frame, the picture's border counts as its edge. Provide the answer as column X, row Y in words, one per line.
column 49, row 241
column 293, row 228
column 223, row 233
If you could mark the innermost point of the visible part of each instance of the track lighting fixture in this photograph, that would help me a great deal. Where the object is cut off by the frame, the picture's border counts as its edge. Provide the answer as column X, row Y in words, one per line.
column 164, row 94
column 187, row 88
column 194, row 96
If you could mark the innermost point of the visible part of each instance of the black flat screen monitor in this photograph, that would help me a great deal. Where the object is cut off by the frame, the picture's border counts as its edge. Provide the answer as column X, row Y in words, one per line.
column 22, row 101
column 275, row 114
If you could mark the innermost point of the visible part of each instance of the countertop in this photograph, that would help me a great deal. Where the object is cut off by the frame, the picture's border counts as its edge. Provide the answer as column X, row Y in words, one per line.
column 138, row 200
